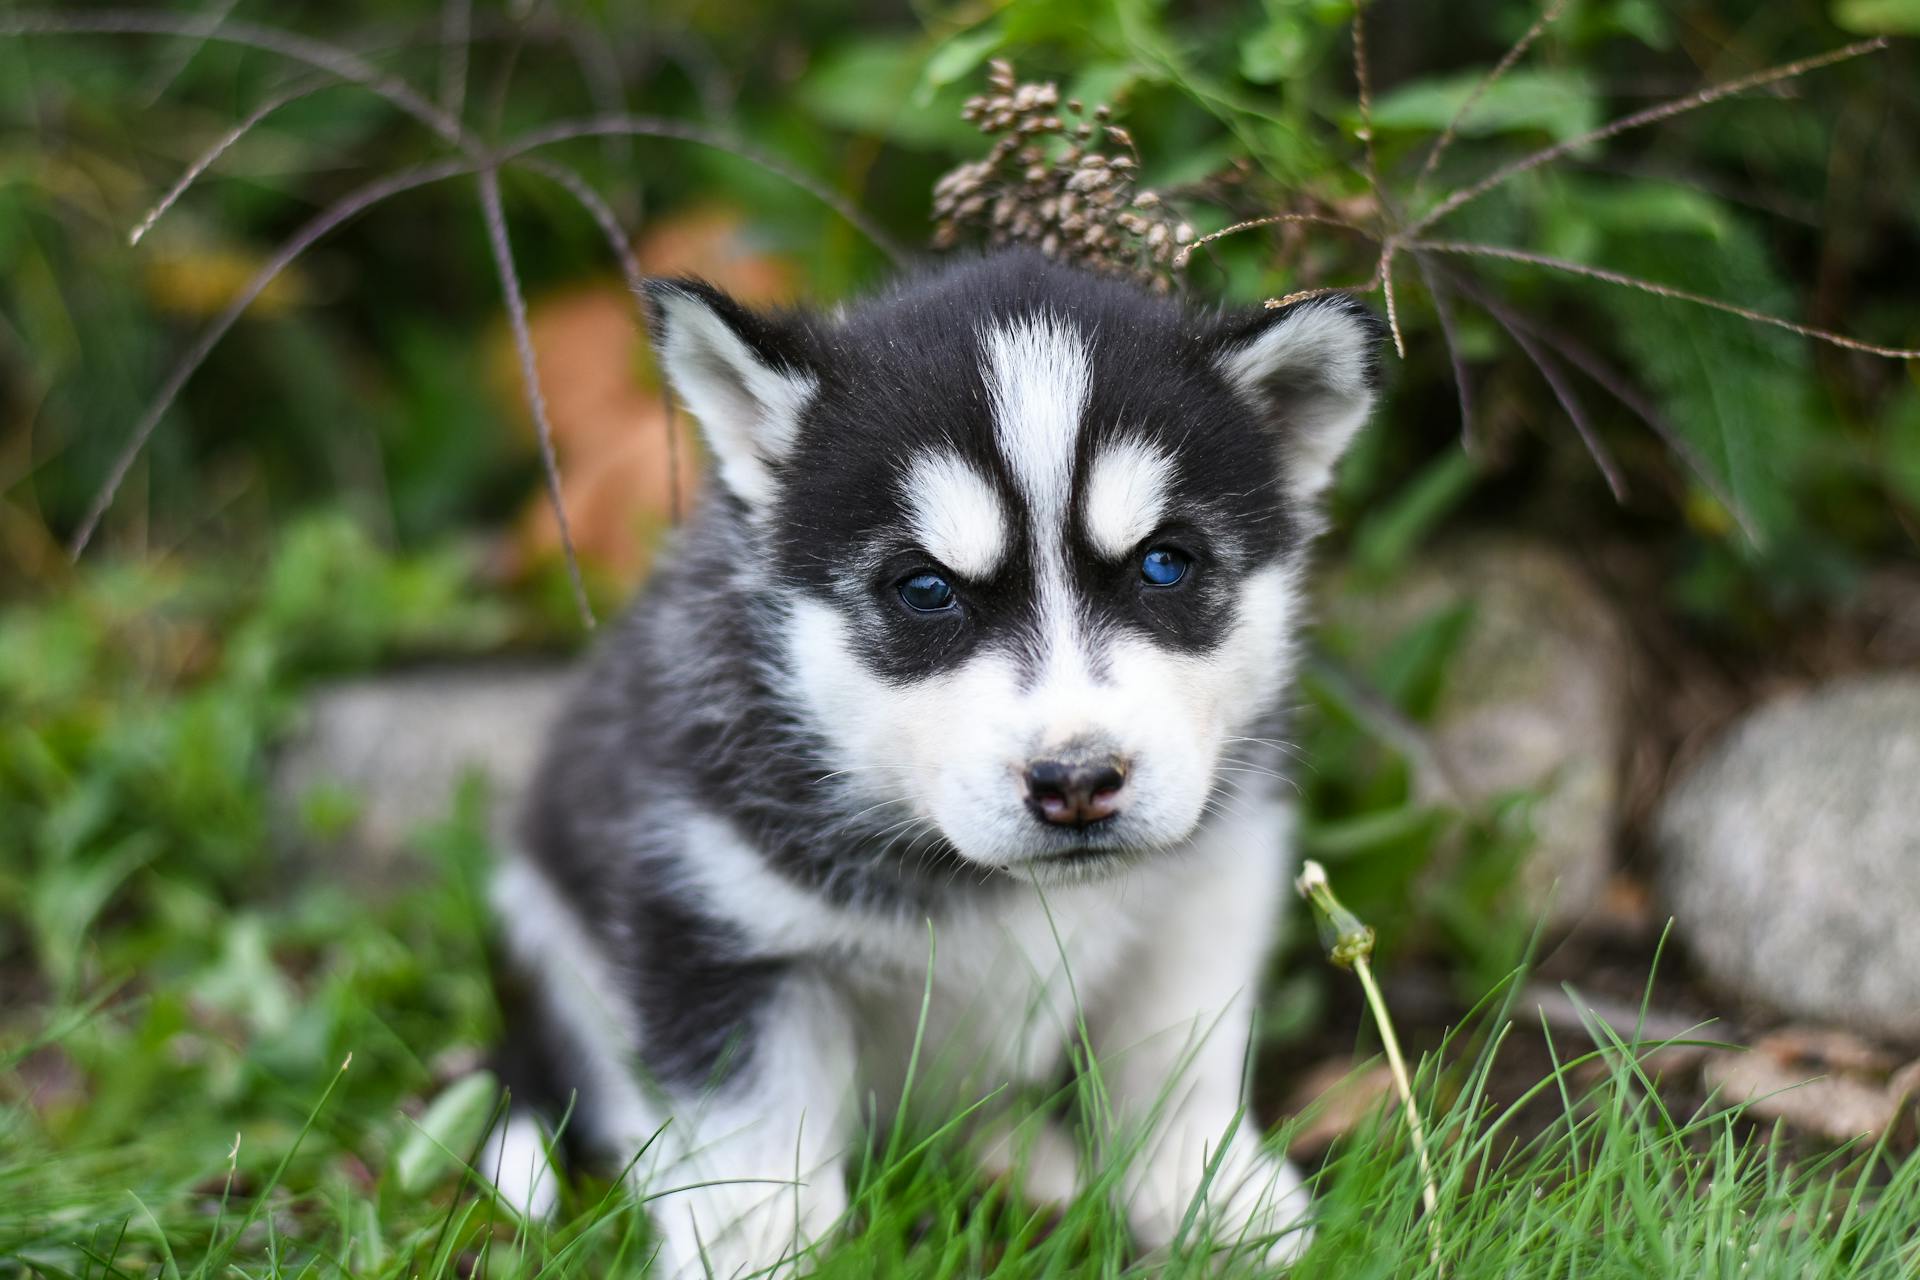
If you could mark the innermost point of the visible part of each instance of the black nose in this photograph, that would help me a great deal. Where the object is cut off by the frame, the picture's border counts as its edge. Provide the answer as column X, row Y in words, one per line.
column 1075, row 793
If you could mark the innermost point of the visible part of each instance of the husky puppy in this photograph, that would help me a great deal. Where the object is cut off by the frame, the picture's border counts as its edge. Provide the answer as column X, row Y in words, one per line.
column 950, row 720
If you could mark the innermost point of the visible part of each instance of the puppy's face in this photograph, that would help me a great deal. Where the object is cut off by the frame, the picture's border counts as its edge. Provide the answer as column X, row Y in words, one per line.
column 1035, row 536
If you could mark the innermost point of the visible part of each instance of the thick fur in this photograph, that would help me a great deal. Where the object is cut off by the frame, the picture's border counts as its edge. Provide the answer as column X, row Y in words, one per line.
column 782, row 793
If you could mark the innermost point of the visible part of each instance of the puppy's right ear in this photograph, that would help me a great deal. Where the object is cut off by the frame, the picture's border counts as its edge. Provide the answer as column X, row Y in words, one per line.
column 741, row 373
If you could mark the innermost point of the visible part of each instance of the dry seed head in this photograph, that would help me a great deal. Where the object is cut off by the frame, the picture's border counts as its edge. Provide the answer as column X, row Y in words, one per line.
column 1080, row 203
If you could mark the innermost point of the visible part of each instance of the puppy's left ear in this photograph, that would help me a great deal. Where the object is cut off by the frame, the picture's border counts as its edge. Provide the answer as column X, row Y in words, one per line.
column 1311, row 370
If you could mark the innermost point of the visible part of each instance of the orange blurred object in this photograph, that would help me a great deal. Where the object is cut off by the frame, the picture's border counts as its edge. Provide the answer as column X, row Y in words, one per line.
column 609, row 414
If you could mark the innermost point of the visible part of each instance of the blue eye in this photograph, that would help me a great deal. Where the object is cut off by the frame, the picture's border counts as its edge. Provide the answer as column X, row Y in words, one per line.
column 1164, row 566
column 926, row 593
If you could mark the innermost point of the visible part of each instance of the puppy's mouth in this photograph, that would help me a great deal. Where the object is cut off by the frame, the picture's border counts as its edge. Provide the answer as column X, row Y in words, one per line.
column 1081, row 855
column 1087, row 851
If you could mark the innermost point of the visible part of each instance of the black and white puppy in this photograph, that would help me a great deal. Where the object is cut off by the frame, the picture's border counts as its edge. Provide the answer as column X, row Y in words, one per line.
column 967, row 672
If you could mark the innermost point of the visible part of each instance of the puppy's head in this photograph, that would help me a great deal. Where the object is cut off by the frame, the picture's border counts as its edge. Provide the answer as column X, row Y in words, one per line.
column 1035, row 536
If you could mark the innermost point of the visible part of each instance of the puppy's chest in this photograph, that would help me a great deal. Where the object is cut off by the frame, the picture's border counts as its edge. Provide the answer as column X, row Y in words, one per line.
column 1007, row 987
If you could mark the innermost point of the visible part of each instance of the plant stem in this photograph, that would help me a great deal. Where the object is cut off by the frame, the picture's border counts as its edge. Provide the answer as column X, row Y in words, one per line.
column 1350, row 945
column 1403, row 1084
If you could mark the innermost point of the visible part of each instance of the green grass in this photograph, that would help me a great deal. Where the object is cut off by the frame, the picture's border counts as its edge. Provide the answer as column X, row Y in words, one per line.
column 180, row 994
column 138, row 1174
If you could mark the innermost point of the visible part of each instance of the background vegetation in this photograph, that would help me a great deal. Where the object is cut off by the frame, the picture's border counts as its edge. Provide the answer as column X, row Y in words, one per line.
column 351, row 479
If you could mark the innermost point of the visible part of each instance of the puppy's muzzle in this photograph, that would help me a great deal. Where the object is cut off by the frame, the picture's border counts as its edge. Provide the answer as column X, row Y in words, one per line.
column 1075, row 792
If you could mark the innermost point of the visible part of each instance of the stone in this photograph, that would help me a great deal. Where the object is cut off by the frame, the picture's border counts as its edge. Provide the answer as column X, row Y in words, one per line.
column 400, row 746
column 1790, row 855
column 1535, row 698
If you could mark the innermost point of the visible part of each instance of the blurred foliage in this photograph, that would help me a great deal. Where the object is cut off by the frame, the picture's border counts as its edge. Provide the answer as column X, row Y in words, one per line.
column 358, row 376
column 138, row 707
column 168, row 978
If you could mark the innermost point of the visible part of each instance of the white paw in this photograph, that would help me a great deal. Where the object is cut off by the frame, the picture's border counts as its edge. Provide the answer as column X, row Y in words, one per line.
column 516, row 1161
column 745, row 1228
column 1254, row 1205
column 1036, row 1156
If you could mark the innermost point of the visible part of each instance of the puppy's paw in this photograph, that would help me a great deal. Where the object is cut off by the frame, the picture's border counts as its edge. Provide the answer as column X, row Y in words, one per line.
column 1036, row 1156
column 517, row 1162
column 730, row 1230
column 1253, row 1206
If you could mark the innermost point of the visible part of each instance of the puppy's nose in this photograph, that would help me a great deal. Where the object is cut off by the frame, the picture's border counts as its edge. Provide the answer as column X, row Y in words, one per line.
column 1075, row 793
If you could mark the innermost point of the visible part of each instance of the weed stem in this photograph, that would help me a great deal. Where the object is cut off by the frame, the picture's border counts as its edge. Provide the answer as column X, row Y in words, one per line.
column 1350, row 945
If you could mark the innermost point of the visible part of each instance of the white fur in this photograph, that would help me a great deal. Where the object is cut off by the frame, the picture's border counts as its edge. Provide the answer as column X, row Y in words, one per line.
column 578, row 989
column 1310, row 369
column 755, row 1175
column 1003, row 992
column 952, row 747
column 1126, row 495
column 1175, row 1043
column 956, row 514
column 768, row 1143
column 749, row 409
column 515, row 1159
column 1038, row 378
column 1032, row 1152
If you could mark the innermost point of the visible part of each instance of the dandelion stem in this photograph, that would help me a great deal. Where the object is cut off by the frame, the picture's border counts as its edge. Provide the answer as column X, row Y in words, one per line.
column 1350, row 945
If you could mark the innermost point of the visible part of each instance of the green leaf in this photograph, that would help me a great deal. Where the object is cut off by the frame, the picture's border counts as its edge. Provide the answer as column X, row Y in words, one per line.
column 1879, row 17
column 1901, row 436
column 1412, row 671
column 367, row 1246
column 1277, row 51
column 1644, row 20
column 246, row 982
column 1640, row 207
column 67, row 899
column 1736, row 392
column 954, row 60
column 1366, row 832
column 452, row 1126
column 1561, row 104
column 868, row 86
column 1081, row 28
column 1388, row 537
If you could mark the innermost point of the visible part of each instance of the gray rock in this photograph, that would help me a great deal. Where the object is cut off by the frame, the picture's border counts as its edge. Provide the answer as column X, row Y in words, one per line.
column 1790, row 855
column 402, row 744
column 1535, row 698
